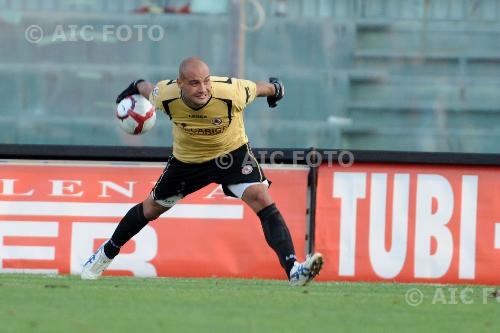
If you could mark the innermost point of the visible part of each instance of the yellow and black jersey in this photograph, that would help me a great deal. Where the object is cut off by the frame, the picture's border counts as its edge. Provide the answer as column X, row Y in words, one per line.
column 213, row 130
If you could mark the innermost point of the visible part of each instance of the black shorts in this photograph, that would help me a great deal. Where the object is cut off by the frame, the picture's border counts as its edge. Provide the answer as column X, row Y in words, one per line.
column 180, row 179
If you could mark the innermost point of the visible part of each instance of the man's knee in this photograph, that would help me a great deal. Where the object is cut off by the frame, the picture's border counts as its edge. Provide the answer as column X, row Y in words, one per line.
column 257, row 196
column 152, row 210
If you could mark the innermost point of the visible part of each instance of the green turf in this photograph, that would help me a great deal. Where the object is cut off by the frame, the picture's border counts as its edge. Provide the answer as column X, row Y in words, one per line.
column 36, row 303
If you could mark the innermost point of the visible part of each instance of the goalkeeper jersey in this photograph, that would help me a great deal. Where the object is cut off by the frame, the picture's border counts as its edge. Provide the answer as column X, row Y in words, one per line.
column 213, row 130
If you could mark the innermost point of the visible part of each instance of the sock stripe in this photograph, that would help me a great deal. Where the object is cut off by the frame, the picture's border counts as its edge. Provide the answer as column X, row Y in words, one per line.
column 113, row 244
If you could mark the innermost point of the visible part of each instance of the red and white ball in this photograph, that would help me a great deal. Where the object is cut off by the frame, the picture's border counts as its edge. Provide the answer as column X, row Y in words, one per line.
column 136, row 114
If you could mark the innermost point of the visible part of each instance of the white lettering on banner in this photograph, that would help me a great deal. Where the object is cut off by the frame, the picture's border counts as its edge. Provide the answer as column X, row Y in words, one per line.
column 468, row 213
column 128, row 192
column 497, row 235
column 349, row 187
column 8, row 188
column 69, row 188
column 27, row 229
column 388, row 264
column 90, row 209
column 65, row 188
column 218, row 192
column 146, row 248
column 429, row 224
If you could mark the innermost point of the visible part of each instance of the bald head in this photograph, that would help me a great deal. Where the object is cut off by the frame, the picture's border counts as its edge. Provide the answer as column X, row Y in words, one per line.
column 192, row 64
column 194, row 82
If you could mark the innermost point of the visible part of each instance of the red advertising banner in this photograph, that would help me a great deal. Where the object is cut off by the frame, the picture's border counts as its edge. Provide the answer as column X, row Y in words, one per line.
column 53, row 215
column 409, row 223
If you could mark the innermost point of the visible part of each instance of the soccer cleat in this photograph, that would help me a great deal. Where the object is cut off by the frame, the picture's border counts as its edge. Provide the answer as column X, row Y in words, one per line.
column 303, row 273
column 96, row 264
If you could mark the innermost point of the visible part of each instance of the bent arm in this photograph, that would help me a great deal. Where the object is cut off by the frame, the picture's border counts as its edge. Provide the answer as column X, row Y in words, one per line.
column 265, row 89
column 136, row 87
column 274, row 91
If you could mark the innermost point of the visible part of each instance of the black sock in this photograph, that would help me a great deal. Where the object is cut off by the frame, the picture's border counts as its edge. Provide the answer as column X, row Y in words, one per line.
column 130, row 225
column 277, row 236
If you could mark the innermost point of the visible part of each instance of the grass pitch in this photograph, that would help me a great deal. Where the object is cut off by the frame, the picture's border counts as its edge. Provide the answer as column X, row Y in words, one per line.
column 37, row 303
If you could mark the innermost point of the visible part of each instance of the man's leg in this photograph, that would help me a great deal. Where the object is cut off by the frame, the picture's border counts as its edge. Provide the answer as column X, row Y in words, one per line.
column 278, row 236
column 135, row 219
column 275, row 230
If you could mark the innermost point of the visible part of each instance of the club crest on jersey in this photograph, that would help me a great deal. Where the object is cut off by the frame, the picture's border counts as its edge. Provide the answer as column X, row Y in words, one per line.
column 217, row 121
column 247, row 169
column 156, row 91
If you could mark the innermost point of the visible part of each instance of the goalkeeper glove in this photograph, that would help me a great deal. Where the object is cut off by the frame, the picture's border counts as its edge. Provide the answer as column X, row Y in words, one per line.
column 130, row 90
column 280, row 92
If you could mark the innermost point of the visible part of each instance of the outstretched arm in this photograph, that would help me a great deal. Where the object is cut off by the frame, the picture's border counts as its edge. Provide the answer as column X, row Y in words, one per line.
column 265, row 89
column 274, row 91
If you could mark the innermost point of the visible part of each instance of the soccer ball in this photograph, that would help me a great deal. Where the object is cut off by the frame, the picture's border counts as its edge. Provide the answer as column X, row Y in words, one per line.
column 136, row 114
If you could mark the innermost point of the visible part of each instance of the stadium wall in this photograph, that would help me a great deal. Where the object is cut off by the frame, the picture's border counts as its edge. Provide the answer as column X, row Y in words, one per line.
column 388, row 216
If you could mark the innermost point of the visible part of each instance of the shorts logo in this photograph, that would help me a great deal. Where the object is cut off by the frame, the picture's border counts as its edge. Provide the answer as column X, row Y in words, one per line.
column 247, row 169
column 217, row 121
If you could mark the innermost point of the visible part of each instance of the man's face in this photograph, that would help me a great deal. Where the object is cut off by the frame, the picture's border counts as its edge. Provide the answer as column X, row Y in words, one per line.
column 196, row 86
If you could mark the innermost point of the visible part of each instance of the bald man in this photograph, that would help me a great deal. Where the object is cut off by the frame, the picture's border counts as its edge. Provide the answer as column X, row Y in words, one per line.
column 208, row 132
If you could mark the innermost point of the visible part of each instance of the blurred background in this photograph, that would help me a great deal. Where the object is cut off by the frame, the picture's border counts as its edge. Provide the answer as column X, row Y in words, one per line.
column 413, row 75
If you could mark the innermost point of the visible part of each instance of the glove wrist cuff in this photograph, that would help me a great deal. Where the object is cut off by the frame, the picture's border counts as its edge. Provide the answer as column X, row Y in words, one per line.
column 277, row 89
column 136, row 82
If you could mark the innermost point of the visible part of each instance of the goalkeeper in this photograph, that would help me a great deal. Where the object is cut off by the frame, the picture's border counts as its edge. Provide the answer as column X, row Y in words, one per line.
column 209, row 146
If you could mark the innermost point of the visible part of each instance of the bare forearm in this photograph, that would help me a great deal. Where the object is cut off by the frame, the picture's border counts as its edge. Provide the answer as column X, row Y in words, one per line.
column 265, row 89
